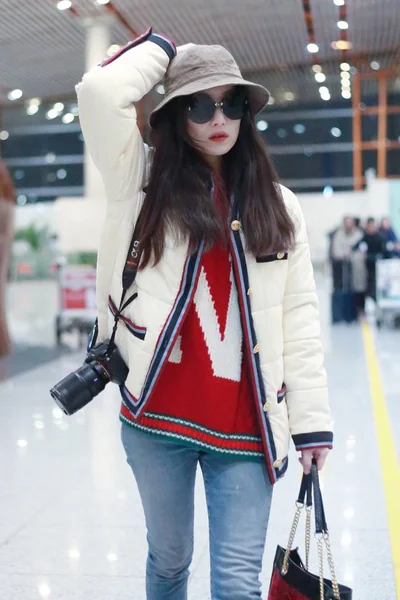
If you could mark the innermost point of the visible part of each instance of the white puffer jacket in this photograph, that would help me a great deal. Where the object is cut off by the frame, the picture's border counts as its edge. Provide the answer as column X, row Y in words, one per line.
column 278, row 300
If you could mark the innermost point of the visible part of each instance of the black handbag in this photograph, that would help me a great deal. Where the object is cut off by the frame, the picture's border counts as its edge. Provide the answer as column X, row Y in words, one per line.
column 291, row 578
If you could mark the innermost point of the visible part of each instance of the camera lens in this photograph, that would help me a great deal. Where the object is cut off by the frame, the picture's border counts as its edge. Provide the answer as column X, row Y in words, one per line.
column 77, row 389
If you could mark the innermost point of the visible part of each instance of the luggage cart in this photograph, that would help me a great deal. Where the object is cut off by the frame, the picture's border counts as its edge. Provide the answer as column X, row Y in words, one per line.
column 77, row 301
column 387, row 291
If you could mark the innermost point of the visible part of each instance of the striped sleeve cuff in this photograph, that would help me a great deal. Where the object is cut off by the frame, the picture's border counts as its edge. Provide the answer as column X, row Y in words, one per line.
column 164, row 42
column 318, row 439
column 161, row 40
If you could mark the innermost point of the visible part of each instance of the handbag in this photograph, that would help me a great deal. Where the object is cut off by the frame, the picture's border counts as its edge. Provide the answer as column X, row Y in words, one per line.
column 291, row 578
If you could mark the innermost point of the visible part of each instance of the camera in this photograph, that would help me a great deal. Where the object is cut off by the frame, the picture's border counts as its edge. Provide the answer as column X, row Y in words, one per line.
column 103, row 363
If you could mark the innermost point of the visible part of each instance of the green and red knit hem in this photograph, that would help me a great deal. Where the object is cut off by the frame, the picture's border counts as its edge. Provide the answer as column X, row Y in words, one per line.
column 240, row 446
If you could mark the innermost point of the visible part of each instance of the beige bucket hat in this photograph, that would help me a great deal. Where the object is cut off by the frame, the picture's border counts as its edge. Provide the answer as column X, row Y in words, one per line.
column 199, row 68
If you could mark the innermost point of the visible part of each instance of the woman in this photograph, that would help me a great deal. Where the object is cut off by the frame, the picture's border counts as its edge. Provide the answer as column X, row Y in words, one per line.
column 222, row 341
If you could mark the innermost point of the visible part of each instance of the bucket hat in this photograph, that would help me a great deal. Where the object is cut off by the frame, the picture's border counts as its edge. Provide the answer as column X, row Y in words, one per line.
column 200, row 67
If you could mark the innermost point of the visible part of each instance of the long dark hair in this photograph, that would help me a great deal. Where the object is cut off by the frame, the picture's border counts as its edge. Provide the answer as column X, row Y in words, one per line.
column 179, row 186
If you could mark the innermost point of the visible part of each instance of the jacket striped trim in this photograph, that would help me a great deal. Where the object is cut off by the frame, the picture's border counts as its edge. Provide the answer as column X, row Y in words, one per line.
column 136, row 330
column 161, row 40
column 168, row 335
column 242, row 283
column 319, row 439
column 282, row 394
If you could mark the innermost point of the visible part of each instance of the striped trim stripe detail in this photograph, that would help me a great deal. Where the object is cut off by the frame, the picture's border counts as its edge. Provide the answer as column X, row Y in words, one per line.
column 138, row 331
column 242, row 282
column 139, row 40
column 188, row 437
column 165, row 43
column 168, row 335
column 161, row 40
column 282, row 394
column 319, row 439
column 191, row 424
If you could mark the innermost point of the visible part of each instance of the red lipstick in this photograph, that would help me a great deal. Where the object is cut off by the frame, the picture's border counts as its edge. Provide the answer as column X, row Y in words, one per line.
column 220, row 136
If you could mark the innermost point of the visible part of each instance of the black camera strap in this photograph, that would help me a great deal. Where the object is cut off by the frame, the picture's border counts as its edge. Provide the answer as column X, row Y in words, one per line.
column 129, row 275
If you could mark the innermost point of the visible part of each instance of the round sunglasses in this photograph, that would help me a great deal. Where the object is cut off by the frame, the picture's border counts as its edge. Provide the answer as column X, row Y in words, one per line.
column 201, row 107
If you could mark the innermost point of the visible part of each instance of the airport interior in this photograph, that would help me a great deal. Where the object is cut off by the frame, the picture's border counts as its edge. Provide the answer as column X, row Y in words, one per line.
column 76, row 523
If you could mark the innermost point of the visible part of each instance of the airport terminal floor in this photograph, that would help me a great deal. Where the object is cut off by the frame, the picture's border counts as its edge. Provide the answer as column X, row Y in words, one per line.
column 72, row 526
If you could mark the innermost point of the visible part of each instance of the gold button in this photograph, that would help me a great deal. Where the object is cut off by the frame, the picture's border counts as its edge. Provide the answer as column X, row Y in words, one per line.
column 249, row 292
column 280, row 255
column 277, row 463
column 266, row 407
column 256, row 349
column 235, row 225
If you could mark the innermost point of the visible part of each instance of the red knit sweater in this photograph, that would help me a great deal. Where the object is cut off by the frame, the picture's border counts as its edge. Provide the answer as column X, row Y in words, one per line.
column 203, row 397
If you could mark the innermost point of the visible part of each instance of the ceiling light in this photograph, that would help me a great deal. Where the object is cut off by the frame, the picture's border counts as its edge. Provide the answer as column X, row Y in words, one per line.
column 323, row 90
column 68, row 118
column 289, row 96
column 61, row 174
column 320, row 77
column 59, row 107
column 282, row 133
column 299, row 128
column 271, row 100
column 35, row 101
column 74, row 110
column 326, row 97
column 22, row 443
column 375, row 65
column 102, row 1
column 262, row 125
column 113, row 49
column 160, row 89
column 317, row 68
column 38, row 425
column 52, row 114
column 345, row 75
column 74, row 553
column 32, row 109
column 345, row 66
column 15, row 95
column 342, row 45
column 343, row 24
column 4, row 135
column 336, row 132
column 64, row 4
column 339, row 2
column 346, row 94
column 328, row 191
column 50, row 158
column 313, row 48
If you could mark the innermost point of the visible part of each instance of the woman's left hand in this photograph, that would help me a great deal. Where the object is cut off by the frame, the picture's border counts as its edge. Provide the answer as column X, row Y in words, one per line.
column 320, row 455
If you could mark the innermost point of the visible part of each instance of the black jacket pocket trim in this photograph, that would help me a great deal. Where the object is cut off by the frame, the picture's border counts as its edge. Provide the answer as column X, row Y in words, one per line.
column 272, row 257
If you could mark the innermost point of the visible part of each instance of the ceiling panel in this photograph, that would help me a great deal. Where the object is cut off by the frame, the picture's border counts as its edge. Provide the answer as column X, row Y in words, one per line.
column 42, row 49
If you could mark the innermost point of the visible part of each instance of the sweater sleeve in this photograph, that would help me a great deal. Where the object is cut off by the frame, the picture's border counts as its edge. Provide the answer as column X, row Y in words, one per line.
column 305, row 376
column 106, row 97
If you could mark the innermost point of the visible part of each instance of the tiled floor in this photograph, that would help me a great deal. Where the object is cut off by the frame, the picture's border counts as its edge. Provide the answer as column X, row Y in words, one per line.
column 71, row 525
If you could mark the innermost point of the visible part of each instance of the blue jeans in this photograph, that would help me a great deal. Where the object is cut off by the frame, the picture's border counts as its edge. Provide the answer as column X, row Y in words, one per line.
column 238, row 496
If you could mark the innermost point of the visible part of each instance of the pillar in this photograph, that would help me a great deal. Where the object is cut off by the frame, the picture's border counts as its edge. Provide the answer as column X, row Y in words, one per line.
column 7, row 205
column 97, row 44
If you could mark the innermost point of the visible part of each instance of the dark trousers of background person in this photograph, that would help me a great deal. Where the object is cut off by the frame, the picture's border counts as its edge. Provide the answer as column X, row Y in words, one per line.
column 371, row 278
column 337, row 275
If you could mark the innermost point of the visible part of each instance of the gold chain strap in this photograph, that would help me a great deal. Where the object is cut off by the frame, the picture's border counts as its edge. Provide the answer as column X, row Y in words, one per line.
column 331, row 566
column 308, row 535
column 320, row 540
column 321, row 567
column 296, row 520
